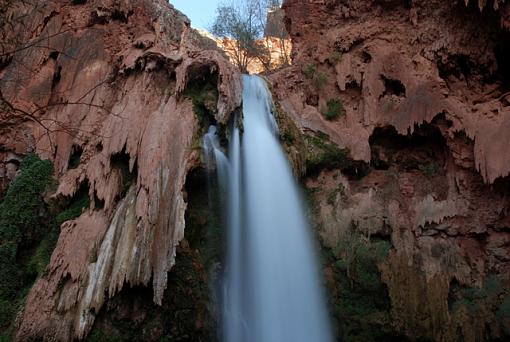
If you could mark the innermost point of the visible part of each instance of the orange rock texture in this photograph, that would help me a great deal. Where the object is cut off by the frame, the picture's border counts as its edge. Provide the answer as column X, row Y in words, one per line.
column 422, row 98
column 104, row 82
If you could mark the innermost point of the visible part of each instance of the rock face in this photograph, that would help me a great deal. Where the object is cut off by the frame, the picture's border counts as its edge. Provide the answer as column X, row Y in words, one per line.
column 105, row 86
column 421, row 95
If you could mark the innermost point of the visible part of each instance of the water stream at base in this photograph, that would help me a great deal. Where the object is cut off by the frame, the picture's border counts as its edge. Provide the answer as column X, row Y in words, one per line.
column 271, row 289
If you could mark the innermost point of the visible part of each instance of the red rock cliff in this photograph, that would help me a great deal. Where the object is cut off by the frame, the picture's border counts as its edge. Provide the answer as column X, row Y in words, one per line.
column 104, row 82
column 421, row 95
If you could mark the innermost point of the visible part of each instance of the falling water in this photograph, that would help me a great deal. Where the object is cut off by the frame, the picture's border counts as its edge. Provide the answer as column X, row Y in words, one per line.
column 214, row 157
column 272, row 291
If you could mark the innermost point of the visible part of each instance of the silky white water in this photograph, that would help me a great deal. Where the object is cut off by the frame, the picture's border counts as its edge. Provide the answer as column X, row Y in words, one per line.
column 271, row 290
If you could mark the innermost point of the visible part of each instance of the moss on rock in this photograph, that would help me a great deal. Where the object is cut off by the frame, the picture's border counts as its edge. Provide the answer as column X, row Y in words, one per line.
column 292, row 140
column 359, row 300
column 23, row 224
column 29, row 229
column 203, row 93
column 321, row 153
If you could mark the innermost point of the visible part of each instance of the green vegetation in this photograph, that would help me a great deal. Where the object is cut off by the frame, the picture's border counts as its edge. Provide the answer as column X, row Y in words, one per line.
column 6, row 336
column 323, row 154
column 289, row 133
column 335, row 57
column 204, row 96
column 21, row 227
column 335, row 109
column 359, row 256
column 29, row 229
column 20, row 208
column 74, row 209
column 474, row 298
column 309, row 70
column 204, row 222
column 292, row 140
column 320, row 81
column 360, row 301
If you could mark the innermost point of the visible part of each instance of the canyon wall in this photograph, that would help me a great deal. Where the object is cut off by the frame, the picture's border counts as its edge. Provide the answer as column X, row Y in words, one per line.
column 111, row 92
column 403, row 108
column 394, row 113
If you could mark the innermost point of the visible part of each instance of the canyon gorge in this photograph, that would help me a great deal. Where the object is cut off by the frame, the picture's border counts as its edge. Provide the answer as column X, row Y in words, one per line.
column 393, row 114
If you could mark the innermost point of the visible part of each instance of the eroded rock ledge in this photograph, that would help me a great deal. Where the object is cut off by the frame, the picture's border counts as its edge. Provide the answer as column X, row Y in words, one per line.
column 405, row 69
column 417, row 93
column 108, row 84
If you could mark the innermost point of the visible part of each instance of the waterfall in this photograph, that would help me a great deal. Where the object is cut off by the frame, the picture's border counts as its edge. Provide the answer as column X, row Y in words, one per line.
column 272, row 290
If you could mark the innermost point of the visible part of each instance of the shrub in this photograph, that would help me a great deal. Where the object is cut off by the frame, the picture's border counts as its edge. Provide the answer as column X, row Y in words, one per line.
column 23, row 223
column 320, row 81
column 335, row 57
column 309, row 70
column 335, row 109
column 19, row 211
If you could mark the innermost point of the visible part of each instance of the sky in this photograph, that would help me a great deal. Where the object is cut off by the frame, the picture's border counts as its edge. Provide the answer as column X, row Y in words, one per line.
column 200, row 12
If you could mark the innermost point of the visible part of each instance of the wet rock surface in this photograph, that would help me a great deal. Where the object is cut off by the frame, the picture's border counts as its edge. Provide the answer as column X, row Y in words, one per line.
column 395, row 113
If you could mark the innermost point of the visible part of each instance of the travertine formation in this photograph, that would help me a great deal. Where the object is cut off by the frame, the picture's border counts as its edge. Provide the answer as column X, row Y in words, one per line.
column 426, row 106
column 105, row 82
column 421, row 89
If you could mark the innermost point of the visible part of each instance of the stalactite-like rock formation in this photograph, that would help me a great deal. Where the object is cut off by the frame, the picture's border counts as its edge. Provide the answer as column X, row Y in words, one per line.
column 106, row 85
column 420, row 94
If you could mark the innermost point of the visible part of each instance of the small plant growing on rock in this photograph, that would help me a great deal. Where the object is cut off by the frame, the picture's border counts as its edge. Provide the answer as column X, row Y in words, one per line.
column 334, row 110
column 335, row 57
column 309, row 70
column 320, row 81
